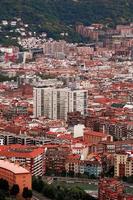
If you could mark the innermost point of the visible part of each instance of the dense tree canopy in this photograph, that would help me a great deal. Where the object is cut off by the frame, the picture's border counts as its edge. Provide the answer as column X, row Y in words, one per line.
column 60, row 192
column 56, row 16
column 27, row 193
column 67, row 11
column 14, row 190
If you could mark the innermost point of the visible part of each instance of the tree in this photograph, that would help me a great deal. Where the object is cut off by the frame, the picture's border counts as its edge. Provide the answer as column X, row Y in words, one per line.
column 34, row 183
column 77, row 193
column 63, row 192
column 60, row 194
column 2, row 196
column 4, row 186
column 37, row 184
column 40, row 185
column 49, row 190
column 27, row 194
column 14, row 190
column 130, row 179
column 110, row 172
column 92, row 176
column 63, row 173
column 124, row 178
column 71, row 173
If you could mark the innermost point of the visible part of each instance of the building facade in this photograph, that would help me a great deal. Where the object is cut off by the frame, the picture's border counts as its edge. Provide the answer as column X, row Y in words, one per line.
column 30, row 157
column 56, row 49
column 57, row 103
column 15, row 174
column 112, row 189
column 55, row 159
column 123, row 164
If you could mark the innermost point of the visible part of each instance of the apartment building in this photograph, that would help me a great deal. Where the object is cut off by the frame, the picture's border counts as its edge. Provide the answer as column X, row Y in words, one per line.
column 15, row 174
column 56, row 103
column 73, row 163
column 123, row 164
column 112, row 189
column 30, row 157
column 55, row 158
column 90, row 167
column 56, row 49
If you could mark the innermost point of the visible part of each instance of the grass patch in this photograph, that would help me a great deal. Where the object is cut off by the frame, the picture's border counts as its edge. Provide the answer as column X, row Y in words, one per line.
column 129, row 190
column 84, row 186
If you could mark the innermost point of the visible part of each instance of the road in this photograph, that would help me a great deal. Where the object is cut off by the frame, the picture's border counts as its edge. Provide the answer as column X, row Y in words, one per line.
column 71, row 180
column 38, row 196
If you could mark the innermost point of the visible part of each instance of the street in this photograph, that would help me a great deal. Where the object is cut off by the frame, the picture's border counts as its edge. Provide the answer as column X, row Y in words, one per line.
column 38, row 196
column 71, row 180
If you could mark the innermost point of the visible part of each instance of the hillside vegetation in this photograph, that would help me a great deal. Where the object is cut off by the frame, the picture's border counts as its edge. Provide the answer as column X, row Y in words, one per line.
column 55, row 16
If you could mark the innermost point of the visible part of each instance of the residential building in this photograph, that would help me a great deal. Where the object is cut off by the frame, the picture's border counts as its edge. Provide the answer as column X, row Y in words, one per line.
column 93, row 136
column 91, row 168
column 30, row 157
column 112, row 189
column 75, row 118
column 56, row 103
column 55, row 158
column 73, row 163
column 123, row 164
column 15, row 174
column 80, row 149
column 78, row 130
column 56, row 49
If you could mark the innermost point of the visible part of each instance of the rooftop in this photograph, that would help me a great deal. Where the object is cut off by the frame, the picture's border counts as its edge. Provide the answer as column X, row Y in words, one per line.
column 15, row 168
column 22, row 151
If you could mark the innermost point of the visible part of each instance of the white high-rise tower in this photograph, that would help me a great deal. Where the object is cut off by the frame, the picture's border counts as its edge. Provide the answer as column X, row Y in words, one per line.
column 56, row 103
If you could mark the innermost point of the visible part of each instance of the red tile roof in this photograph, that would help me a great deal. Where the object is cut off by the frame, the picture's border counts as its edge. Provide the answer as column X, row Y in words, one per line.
column 22, row 151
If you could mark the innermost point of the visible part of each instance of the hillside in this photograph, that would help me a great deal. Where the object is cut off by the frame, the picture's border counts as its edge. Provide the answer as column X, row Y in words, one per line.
column 55, row 16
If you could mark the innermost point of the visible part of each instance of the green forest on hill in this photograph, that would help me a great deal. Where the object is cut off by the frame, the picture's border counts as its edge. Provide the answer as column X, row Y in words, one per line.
column 55, row 16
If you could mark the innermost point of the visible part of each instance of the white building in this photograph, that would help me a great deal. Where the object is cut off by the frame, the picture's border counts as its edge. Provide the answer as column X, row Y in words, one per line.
column 1, row 141
column 56, row 103
column 78, row 130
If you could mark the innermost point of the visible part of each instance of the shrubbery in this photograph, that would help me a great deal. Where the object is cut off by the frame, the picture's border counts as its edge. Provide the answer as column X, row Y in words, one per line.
column 59, row 192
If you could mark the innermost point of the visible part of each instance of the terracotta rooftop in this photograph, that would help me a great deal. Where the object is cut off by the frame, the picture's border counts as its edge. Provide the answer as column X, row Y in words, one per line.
column 16, row 169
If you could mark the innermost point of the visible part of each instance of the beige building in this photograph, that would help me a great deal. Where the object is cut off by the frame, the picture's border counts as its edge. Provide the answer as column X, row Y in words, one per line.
column 123, row 165
column 56, row 49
